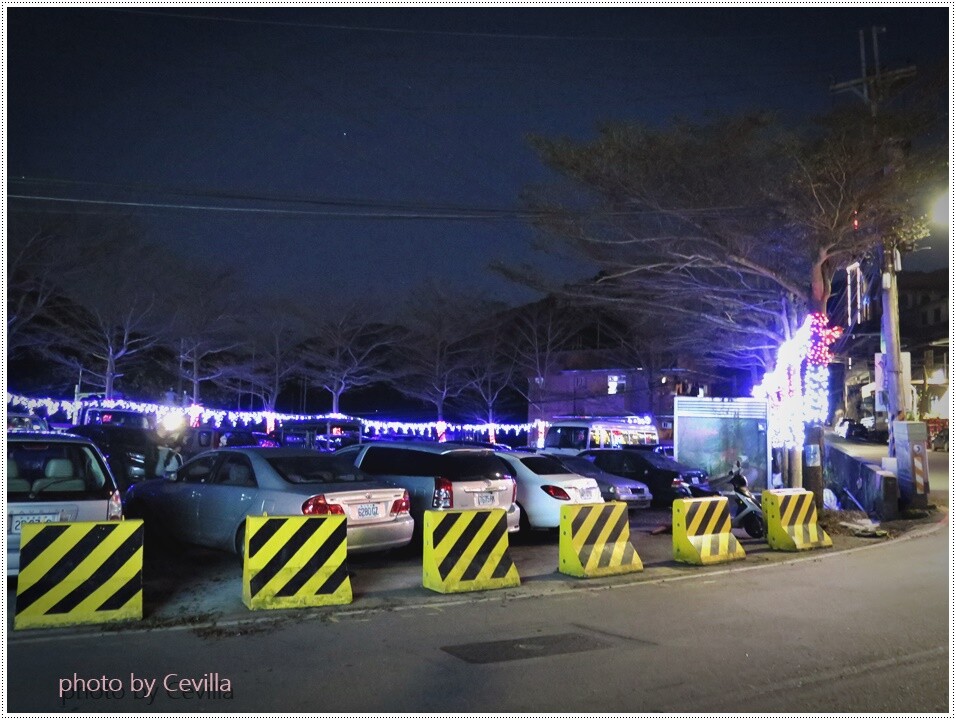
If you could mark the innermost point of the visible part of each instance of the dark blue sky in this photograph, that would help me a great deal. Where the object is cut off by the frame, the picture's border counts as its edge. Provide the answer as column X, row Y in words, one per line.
column 372, row 118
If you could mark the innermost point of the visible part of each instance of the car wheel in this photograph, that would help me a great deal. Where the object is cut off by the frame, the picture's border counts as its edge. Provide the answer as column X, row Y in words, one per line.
column 241, row 544
column 524, row 524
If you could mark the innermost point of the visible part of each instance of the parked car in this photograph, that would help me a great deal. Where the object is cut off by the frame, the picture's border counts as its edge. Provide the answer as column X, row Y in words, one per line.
column 545, row 486
column 940, row 441
column 660, row 448
column 853, row 430
column 667, row 479
column 133, row 453
column 195, row 440
column 207, row 500
column 25, row 421
column 440, row 476
column 55, row 477
column 614, row 488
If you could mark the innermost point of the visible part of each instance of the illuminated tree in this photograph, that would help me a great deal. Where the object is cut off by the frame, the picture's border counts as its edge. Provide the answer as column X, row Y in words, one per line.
column 727, row 232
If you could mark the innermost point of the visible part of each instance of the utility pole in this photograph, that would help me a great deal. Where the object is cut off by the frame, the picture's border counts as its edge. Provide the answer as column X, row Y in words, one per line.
column 872, row 89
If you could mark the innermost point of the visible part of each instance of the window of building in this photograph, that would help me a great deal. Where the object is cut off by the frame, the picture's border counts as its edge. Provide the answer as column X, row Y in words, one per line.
column 616, row 384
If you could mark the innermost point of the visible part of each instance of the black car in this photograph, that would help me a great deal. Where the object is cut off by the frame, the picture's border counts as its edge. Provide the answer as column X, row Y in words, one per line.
column 133, row 453
column 667, row 479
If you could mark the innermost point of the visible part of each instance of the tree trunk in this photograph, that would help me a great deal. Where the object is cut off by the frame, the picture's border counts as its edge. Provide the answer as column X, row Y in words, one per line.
column 819, row 287
column 813, row 472
column 195, row 381
column 110, row 375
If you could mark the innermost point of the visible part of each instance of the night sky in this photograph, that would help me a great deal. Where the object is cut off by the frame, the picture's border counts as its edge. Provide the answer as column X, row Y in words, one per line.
column 387, row 144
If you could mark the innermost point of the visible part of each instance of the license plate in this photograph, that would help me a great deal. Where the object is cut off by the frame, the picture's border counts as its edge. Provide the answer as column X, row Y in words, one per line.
column 368, row 510
column 587, row 493
column 483, row 499
column 18, row 521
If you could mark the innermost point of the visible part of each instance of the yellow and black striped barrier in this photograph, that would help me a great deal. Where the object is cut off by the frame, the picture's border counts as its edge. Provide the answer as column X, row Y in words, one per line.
column 295, row 561
column 79, row 573
column 466, row 550
column 595, row 541
column 702, row 532
column 791, row 517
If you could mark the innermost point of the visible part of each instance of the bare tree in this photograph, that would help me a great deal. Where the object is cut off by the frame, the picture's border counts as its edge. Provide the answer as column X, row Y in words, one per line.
column 205, row 326
column 434, row 355
column 117, row 312
column 46, row 254
column 492, row 361
column 732, row 228
column 349, row 351
column 539, row 332
column 269, row 356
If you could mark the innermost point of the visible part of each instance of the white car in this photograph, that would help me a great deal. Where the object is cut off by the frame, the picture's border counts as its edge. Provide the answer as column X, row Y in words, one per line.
column 55, row 477
column 545, row 486
column 439, row 476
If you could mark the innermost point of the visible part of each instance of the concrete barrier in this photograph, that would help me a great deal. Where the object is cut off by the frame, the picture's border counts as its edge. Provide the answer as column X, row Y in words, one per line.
column 466, row 550
column 79, row 573
column 702, row 532
column 595, row 541
column 791, row 517
column 295, row 561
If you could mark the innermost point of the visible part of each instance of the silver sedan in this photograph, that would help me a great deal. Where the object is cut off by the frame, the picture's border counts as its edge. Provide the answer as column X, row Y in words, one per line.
column 207, row 500
column 613, row 487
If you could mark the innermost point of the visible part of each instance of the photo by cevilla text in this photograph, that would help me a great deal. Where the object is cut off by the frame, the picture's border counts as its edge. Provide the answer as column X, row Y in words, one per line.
column 208, row 685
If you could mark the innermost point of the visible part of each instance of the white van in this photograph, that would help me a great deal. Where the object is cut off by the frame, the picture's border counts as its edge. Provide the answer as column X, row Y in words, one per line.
column 572, row 436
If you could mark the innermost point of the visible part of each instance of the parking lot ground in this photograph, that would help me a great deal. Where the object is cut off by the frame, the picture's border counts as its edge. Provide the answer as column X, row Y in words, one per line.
column 203, row 588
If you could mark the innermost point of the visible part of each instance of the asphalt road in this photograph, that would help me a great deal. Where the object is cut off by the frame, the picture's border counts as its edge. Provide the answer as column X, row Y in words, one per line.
column 865, row 630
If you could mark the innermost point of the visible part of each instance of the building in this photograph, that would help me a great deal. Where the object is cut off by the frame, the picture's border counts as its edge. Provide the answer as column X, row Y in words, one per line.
column 924, row 299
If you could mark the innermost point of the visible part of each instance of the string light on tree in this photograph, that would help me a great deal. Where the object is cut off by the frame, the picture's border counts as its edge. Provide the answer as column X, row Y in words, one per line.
column 797, row 389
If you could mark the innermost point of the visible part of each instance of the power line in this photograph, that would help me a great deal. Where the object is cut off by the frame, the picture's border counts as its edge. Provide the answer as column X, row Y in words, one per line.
column 357, row 28
column 334, row 208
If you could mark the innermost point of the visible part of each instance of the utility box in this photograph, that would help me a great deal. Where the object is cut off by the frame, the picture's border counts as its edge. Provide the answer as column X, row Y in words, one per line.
column 912, row 466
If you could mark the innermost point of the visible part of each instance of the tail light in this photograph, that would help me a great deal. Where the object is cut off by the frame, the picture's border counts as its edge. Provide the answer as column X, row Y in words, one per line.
column 442, row 498
column 114, row 510
column 401, row 506
column 677, row 483
column 318, row 505
column 514, row 491
column 556, row 492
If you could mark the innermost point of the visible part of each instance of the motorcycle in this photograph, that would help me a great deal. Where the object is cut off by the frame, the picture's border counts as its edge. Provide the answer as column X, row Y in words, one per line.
column 749, row 515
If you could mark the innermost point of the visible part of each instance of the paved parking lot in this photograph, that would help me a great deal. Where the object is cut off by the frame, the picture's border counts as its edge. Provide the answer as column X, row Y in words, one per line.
column 200, row 587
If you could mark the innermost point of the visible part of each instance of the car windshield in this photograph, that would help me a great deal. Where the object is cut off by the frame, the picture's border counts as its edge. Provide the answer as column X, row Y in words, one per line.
column 314, row 468
column 540, row 465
